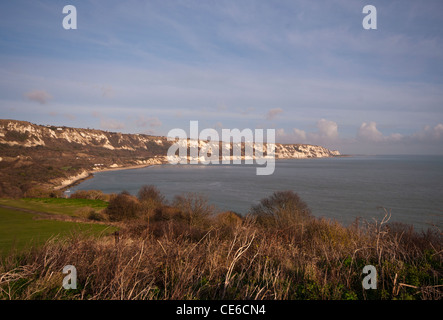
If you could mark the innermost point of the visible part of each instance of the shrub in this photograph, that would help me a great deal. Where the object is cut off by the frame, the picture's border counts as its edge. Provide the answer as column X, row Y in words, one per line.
column 165, row 213
column 123, row 206
column 228, row 219
column 95, row 216
column 40, row 192
column 150, row 194
column 282, row 209
column 194, row 207
column 90, row 194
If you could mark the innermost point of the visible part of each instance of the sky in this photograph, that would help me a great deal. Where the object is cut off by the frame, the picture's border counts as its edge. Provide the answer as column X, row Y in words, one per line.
column 307, row 69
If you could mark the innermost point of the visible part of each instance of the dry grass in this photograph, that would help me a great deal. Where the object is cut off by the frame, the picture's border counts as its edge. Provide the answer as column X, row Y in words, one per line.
column 167, row 255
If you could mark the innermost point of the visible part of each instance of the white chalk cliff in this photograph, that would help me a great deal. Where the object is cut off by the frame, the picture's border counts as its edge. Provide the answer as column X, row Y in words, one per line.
column 26, row 134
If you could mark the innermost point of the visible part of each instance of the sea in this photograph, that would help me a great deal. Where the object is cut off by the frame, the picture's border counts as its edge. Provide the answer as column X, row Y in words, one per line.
column 408, row 187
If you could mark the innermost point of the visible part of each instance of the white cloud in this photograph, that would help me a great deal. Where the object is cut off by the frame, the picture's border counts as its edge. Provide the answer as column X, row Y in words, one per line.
column 438, row 131
column 247, row 111
column 111, row 124
column 107, row 91
column 273, row 113
column 369, row 132
column 39, row 96
column 326, row 130
column 148, row 121
column 368, row 139
column 429, row 133
column 280, row 133
column 299, row 135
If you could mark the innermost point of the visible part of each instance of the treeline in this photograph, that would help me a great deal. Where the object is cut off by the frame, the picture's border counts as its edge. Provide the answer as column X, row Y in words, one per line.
column 185, row 249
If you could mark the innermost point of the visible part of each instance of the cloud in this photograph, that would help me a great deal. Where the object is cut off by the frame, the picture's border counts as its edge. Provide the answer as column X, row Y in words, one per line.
column 247, row 111
column 221, row 107
column 429, row 133
column 218, row 125
column 178, row 114
column 39, row 96
column 369, row 132
column 107, row 91
column 273, row 113
column 111, row 124
column 438, row 131
column 96, row 114
column 280, row 133
column 367, row 139
column 68, row 116
column 299, row 135
column 326, row 130
column 152, row 122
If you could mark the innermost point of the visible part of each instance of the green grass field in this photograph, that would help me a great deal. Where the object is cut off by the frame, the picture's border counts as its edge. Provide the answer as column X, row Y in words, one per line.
column 62, row 206
column 20, row 230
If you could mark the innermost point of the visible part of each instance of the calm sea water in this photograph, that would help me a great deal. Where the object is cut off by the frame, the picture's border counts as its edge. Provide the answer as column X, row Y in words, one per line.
column 344, row 188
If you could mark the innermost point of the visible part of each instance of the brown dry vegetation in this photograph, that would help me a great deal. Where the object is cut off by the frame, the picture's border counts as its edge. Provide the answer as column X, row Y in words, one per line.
column 185, row 251
column 24, row 168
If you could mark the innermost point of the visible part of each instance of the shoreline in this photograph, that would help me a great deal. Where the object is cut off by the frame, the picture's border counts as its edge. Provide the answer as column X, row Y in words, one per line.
column 90, row 174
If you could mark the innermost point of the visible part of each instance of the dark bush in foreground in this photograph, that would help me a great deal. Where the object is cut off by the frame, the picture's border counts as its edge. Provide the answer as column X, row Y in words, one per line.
column 194, row 208
column 281, row 209
column 123, row 206
column 149, row 193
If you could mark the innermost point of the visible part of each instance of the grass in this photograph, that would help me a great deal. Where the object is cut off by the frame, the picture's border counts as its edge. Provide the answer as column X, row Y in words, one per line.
column 62, row 206
column 20, row 230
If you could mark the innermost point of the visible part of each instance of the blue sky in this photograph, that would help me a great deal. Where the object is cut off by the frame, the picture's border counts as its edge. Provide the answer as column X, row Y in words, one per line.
column 305, row 68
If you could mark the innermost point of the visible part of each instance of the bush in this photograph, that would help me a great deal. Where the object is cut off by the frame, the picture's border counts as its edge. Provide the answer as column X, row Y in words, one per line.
column 123, row 206
column 150, row 199
column 282, row 209
column 95, row 216
column 165, row 213
column 40, row 192
column 90, row 194
column 194, row 207
column 228, row 219
column 227, row 223
column 150, row 194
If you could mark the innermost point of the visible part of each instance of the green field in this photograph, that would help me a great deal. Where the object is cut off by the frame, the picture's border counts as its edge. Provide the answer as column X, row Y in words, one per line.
column 20, row 230
column 61, row 206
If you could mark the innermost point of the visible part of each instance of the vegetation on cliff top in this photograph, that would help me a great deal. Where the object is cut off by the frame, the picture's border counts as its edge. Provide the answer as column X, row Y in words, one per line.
column 185, row 250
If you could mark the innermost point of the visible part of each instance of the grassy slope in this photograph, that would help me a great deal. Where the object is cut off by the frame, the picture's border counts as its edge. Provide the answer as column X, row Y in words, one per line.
column 62, row 206
column 20, row 229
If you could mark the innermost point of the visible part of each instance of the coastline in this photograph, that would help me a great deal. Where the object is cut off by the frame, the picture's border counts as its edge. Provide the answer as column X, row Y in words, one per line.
column 73, row 181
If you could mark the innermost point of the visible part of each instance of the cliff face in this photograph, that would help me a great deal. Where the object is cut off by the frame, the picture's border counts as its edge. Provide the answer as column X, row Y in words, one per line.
column 299, row 151
column 25, row 134
column 33, row 154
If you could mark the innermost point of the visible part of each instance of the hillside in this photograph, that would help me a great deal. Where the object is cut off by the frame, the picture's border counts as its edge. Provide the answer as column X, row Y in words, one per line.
column 53, row 157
